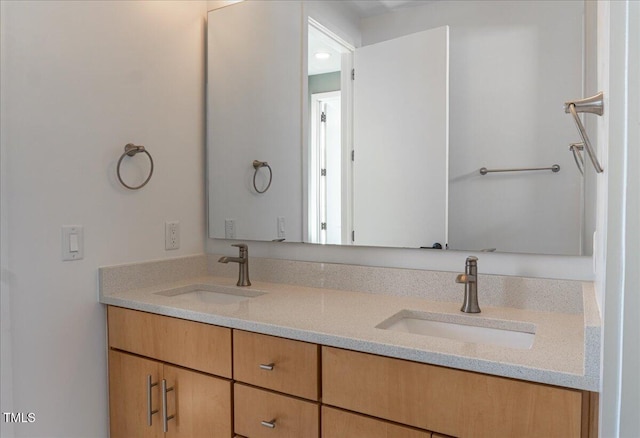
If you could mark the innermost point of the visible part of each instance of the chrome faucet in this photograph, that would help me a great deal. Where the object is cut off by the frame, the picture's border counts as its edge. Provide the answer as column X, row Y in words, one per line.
column 243, row 264
column 470, row 281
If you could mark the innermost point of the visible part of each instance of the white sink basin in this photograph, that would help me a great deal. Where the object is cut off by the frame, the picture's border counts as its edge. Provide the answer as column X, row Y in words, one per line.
column 211, row 293
column 473, row 329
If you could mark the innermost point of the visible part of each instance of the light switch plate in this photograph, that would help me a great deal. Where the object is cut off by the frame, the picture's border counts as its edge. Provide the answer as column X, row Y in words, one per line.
column 72, row 242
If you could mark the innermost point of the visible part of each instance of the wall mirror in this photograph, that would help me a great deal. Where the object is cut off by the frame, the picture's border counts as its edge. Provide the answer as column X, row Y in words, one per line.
column 375, row 118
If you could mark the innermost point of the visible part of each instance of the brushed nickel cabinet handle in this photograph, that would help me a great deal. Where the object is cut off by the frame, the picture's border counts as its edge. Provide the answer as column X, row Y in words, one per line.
column 267, row 366
column 165, row 417
column 150, row 412
column 270, row 424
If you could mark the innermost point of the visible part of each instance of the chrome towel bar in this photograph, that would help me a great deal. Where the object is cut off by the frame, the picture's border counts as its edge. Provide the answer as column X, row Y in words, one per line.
column 554, row 168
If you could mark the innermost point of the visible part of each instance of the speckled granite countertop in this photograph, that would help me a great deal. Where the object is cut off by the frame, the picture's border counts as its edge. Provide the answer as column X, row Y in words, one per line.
column 565, row 351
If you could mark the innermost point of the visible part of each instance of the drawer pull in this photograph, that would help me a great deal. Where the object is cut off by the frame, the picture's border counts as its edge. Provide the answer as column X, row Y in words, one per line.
column 270, row 424
column 150, row 412
column 165, row 417
column 267, row 366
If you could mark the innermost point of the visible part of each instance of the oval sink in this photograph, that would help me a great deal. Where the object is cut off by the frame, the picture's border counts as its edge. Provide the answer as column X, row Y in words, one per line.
column 471, row 329
column 211, row 293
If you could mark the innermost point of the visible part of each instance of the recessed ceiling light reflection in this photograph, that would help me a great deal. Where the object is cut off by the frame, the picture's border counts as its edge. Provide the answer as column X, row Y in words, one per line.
column 323, row 55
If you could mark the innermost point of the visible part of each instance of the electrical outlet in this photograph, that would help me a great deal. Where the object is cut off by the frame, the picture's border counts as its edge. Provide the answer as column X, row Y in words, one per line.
column 172, row 235
column 229, row 229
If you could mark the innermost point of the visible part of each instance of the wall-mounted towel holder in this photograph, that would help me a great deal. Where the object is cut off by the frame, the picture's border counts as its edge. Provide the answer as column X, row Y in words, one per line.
column 257, row 164
column 576, row 149
column 593, row 105
column 555, row 169
column 131, row 150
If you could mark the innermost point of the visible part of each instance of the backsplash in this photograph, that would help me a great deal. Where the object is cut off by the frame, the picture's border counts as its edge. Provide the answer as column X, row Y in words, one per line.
column 118, row 278
column 549, row 295
column 494, row 290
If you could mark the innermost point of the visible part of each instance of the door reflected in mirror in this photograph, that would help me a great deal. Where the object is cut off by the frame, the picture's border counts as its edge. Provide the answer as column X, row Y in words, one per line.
column 325, row 169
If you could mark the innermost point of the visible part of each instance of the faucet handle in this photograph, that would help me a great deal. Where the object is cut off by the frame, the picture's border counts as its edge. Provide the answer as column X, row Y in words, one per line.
column 244, row 249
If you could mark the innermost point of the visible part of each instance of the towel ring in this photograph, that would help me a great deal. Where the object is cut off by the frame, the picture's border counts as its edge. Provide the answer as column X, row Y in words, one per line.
column 131, row 150
column 257, row 165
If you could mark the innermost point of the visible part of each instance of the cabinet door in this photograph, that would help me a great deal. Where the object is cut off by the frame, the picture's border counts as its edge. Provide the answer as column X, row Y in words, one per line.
column 128, row 403
column 201, row 404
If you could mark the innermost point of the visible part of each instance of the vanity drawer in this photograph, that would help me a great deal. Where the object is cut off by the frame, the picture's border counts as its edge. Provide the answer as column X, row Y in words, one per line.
column 256, row 410
column 194, row 345
column 452, row 402
column 275, row 363
column 340, row 424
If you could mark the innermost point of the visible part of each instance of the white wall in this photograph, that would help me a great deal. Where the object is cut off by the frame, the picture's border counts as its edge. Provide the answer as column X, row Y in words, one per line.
column 512, row 65
column 618, row 241
column 246, row 118
column 79, row 81
column 339, row 17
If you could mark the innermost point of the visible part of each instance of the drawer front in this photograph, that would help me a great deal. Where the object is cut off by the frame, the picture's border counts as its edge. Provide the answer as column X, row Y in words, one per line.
column 451, row 402
column 340, row 424
column 194, row 345
column 259, row 413
column 275, row 363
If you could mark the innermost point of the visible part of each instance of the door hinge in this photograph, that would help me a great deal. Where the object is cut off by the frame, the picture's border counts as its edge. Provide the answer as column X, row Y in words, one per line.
column 323, row 225
column 353, row 74
column 353, row 235
column 323, row 172
column 323, row 117
column 353, row 155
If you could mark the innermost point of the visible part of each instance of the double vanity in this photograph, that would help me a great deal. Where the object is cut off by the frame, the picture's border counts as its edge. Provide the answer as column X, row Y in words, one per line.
column 321, row 350
column 328, row 350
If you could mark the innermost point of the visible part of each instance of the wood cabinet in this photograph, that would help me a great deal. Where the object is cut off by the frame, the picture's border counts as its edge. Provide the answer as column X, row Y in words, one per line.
column 280, row 388
column 144, row 391
column 448, row 401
